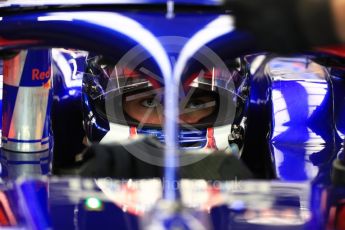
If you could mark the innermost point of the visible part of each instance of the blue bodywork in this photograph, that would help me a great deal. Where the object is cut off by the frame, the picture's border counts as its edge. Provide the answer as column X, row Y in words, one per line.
column 294, row 129
column 301, row 98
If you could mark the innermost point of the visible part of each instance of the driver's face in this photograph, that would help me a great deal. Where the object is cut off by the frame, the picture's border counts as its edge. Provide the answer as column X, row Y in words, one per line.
column 147, row 108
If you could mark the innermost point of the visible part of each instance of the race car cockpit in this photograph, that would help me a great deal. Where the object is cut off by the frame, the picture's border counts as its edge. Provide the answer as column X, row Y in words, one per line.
column 162, row 115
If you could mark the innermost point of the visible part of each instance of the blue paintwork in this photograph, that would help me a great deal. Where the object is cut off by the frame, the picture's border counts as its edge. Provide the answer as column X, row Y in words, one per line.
column 97, row 126
column 34, row 195
column 339, row 94
column 1, row 91
column 286, row 203
column 24, row 3
column 36, row 73
column 187, row 138
column 35, row 63
column 294, row 166
column 8, row 106
column 303, row 121
column 308, row 139
column 76, row 215
column 68, row 67
column 259, row 120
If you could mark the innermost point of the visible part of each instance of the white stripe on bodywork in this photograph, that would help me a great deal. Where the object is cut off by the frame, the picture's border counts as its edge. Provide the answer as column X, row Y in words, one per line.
column 117, row 134
column 121, row 134
column 221, row 134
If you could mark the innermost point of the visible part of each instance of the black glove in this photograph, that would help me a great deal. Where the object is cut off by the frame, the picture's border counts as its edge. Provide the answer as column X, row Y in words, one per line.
column 285, row 26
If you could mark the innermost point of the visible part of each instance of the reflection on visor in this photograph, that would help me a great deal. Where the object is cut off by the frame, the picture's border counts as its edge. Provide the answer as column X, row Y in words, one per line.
column 136, row 98
column 147, row 107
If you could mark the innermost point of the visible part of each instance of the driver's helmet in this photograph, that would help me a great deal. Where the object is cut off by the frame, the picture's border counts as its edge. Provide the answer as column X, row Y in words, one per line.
column 122, row 102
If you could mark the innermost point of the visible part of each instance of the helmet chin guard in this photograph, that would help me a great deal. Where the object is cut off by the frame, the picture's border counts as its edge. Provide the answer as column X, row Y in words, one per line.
column 206, row 140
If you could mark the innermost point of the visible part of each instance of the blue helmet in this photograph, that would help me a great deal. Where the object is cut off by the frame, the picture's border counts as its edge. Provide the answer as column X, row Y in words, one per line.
column 122, row 102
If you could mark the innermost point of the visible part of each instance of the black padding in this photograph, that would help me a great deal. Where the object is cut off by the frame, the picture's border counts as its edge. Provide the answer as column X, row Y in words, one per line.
column 217, row 166
column 285, row 26
column 116, row 162
column 338, row 173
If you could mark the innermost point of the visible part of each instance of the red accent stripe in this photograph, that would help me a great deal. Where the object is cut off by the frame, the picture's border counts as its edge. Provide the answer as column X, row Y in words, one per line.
column 6, row 42
column 211, row 142
column 340, row 219
column 334, row 50
column 129, row 199
column 130, row 73
column 132, row 131
column 192, row 77
column 331, row 218
column 214, row 197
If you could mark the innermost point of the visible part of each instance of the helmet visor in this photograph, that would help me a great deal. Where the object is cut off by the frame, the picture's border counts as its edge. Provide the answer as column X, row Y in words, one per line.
column 135, row 97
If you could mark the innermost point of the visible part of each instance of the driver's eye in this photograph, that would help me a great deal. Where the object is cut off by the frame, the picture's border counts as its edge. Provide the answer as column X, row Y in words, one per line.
column 196, row 104
column 200, row 103
column 149, row 103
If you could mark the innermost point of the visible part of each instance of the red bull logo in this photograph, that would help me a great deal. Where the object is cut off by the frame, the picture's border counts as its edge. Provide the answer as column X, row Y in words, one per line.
column 37, row 74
